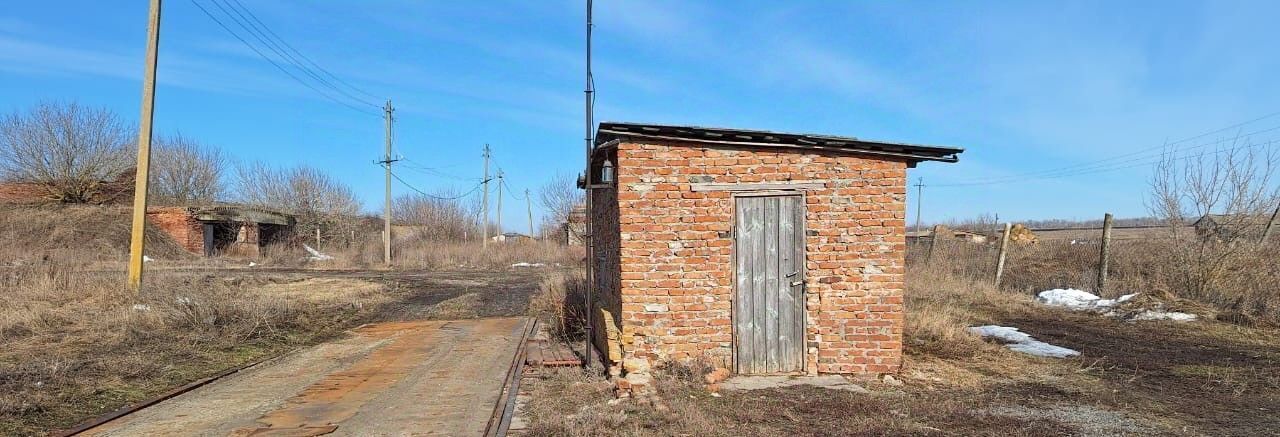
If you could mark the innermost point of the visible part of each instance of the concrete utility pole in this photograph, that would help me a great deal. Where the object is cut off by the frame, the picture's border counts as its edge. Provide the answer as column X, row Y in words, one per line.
column 919, row 199
column 484, row 204
column 386, row 212
column 140, row 178
column 500, row 202
column 528, row 206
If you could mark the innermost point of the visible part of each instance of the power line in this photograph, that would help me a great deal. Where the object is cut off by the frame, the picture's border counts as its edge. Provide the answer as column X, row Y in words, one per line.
column 304, row 57
column 509, row 189
column 1112, row 166
column 276, row 46
column 435, row 170
column 1107, row 161
column 433, row 196
column 277, row 65
column 1268, row 144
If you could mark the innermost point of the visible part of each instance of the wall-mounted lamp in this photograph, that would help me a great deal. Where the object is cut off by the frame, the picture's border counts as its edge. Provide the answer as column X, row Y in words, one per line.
column 606, row 172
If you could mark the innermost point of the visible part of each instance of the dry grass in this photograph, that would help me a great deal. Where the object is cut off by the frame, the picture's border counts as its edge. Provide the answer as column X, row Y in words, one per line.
column 1154, row 378
column 561, row 303
column 1245, row 293
column 75, row 344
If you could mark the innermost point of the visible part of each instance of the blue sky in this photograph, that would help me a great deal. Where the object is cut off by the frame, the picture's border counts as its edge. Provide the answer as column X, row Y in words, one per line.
column 1025, row 87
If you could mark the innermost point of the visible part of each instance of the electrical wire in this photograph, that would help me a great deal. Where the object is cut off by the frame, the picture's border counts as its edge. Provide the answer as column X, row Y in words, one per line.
column 1184, row 157
column 1161, row 148
column 277, row 46
column 424, row 193
column 1098, row 168
column 277, row 65
column 510, row 190
column 304, row 57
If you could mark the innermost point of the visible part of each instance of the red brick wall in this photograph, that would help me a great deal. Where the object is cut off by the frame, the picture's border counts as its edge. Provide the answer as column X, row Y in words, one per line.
column 180, row 225
column 23, row 192
column 676, row 253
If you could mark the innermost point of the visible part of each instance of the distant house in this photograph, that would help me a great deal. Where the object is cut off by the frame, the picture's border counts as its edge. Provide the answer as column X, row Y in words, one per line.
column 924, row 236
column 573, row 229
column 1231, row 226
column 511, row 237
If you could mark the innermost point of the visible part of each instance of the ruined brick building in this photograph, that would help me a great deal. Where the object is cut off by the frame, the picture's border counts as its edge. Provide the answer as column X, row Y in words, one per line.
column 769, row 253
column 209, row 230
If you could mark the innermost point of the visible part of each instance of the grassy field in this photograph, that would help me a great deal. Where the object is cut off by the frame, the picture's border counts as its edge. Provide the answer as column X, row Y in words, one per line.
column 74, row 344
column 1132, row 378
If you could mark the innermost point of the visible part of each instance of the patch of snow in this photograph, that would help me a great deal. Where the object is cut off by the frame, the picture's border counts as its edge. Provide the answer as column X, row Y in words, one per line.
column 315, row 254
column 1019, row 341
column 1078, row 299
column 524, row 264
column 1164, row 315
column 141, row 307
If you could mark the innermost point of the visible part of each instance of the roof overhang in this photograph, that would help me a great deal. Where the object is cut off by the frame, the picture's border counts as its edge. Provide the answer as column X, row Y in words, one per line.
column 609, row 133
column 241, row 214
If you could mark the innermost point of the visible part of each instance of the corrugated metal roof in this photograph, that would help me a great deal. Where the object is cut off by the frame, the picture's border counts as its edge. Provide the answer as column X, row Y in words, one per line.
column 609, row 131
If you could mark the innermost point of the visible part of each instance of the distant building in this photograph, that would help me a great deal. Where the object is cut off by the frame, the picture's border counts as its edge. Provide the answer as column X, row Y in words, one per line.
column 573, row 230
column 1231, row 226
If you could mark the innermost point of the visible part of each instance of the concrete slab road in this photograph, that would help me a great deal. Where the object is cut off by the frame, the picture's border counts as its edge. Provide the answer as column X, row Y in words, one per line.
column 398, row 378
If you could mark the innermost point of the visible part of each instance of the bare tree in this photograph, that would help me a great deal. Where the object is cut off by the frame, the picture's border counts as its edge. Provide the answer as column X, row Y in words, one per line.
column 559, row 196
column 184, row 171
column 71, row 149
column 317, row 200
column 1233, row 184
column 437, row 218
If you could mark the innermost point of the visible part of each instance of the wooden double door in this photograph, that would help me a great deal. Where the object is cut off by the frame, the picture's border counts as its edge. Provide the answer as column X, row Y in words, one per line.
column 768, row 301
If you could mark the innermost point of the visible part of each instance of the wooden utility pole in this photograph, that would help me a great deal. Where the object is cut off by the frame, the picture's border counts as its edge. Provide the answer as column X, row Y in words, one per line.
column 1004, row 248
column 1105, row 257
column 500, row 204
column 141, row 172
column 386, row 212
column 484, row 204
column 528, row 206
column 933, row 243
column 1271, row 225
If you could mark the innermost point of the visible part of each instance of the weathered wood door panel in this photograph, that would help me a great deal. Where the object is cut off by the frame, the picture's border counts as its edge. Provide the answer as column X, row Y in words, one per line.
column 768, row 302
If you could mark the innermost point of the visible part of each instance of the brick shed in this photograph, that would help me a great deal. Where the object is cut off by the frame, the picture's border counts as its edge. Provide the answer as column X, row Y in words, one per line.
column 223, row 229
column 764, row 252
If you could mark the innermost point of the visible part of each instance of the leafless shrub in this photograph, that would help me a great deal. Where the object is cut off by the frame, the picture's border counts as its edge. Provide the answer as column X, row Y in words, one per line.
column 184, row 171
column 1234, row 183
column 317, row 200
column 436, row 218
column 71, row 149
column 559, row 196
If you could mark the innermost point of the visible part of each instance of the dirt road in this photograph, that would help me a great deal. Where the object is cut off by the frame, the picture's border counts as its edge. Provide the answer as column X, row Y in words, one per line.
column 392, row 378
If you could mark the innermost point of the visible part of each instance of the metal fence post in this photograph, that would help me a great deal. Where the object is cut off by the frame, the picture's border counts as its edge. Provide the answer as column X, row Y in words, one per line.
column 1004, row 248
